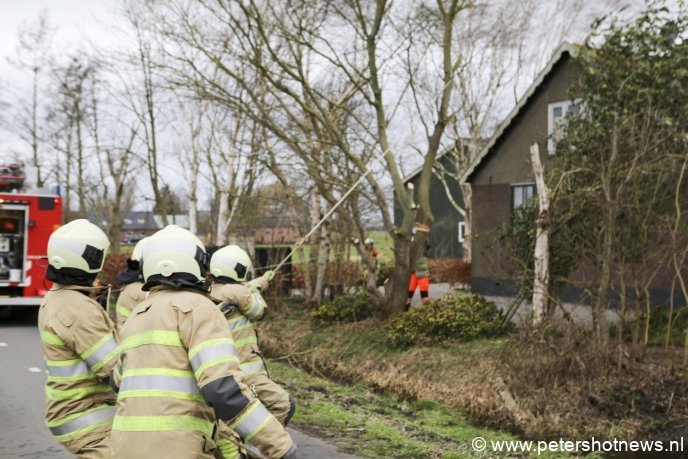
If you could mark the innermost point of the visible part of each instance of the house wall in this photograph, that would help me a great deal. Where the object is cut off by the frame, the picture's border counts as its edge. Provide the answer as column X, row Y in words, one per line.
column 508, row 163
column 444, row 234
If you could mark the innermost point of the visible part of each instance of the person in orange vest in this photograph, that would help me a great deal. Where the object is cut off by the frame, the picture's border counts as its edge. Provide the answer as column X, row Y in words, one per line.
column 420, row 275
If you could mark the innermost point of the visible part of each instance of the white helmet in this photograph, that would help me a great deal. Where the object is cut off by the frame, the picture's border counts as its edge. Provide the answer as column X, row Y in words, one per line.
column 232, row 262
column 138, row 250
column 174, row 251
column 78, row 247
column 368, row 241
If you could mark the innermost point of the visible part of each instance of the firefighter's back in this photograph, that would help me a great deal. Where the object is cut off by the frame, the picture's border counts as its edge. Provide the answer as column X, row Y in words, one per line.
column 161, row 412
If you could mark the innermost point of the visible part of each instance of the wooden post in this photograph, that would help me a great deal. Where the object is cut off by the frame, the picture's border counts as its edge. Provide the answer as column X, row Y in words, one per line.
column 541, row 268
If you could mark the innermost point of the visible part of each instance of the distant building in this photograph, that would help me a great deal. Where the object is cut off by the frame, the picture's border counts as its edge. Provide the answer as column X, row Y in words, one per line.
column 274, row 230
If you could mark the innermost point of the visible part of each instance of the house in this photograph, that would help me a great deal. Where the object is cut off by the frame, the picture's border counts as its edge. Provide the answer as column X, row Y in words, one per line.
column 501, row 176
column 135, row 224
column 446, row 236
column 274, row 230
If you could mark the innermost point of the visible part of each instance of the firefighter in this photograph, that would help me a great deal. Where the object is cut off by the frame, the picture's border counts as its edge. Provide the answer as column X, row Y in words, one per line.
column 420, row 275
column 242, row 304
column 132, row 280
column 178, row 372
column 78, row 342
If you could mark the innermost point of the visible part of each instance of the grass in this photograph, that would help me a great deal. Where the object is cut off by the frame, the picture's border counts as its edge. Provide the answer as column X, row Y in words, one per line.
column 371, row 424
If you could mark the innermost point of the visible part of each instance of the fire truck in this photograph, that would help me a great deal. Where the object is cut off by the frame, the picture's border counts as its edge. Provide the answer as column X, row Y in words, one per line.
column 27, row 220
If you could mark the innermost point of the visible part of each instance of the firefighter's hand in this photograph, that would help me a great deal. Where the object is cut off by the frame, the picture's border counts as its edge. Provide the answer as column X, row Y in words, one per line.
column 269, row 275
column 254, row 286
column 291, row 454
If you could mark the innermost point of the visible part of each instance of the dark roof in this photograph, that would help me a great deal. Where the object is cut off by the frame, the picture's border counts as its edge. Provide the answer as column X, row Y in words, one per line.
column 132, row 220
column 564, row 51
column 274, row 222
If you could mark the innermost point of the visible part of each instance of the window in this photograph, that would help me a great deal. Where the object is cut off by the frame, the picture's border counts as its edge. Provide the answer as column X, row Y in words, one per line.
column 462, row 231
column 521, row 193
column 556, row 120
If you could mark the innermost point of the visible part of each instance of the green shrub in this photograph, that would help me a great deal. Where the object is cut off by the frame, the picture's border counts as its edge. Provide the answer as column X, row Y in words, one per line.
column 459, row 316
column 345, row 308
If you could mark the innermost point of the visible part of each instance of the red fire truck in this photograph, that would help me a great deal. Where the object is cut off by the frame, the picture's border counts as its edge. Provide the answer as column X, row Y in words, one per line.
column 26, row 222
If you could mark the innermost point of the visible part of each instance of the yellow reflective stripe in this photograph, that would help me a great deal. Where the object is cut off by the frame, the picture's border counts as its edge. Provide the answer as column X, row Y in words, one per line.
column 62, row 363
column 241, row 327
column 162, row 337
column 158, row 372
column 162, row 423
column 123, row 311
column 93, row 349
column 76, row 425
column 211, row 342
column 248, row 340
column 216, row 361
column 51, row 338
column 76, row 394
column 256, row 366
column 228, row 449
column 238, row 318
column 122, row 394
column 252, row 421
column 257, row 305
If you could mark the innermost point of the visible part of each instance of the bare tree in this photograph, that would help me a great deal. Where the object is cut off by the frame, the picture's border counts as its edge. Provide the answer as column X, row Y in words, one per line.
column 33, row 57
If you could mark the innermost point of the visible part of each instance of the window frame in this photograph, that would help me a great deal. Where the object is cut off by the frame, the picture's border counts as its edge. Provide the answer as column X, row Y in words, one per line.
column 461, row 231
column 522, row 185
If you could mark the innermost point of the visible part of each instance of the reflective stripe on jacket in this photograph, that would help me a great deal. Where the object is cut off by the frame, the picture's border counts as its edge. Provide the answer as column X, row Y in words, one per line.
column 173, row 345
column 80, row 350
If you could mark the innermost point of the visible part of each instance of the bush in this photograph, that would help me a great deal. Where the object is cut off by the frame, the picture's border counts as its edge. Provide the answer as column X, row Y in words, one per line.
column 451, row 270
column 346, row 308
column 459, row 316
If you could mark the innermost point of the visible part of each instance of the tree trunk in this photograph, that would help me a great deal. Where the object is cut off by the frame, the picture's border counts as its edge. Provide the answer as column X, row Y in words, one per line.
column 467, row 192
column 541, row 269
column 321, row 272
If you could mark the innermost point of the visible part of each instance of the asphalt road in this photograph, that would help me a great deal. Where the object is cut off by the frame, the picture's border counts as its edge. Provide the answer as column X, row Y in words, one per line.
column 22, row 377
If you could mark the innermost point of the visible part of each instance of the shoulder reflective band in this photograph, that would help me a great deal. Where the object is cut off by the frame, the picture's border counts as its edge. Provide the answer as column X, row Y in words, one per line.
column 76, row 424
column 162, row 337
column 251, row 421
column 101, row 353
column 51, row 338
column 253, row 367
column 162, row 424
column 257, row 305
column 212, row 352
column 67, row 369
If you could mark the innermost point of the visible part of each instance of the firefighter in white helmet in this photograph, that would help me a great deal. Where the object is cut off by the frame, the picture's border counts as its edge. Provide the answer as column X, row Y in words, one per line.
column 78, row 341
column 242, row 305
column 131, row 279
column 178, row 372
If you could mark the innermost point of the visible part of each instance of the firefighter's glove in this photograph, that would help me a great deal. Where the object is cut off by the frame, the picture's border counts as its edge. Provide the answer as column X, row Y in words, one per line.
column 269, row 275
column 291, row 454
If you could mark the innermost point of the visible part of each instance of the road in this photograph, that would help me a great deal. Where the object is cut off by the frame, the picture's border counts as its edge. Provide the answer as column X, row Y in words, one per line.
column 22, row 377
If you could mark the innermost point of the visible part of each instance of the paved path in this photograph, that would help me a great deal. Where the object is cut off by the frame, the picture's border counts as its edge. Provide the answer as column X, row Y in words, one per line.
column 22, row 377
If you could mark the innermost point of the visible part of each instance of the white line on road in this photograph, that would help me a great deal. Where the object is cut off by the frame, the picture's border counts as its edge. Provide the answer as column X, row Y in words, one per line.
column 34, row 370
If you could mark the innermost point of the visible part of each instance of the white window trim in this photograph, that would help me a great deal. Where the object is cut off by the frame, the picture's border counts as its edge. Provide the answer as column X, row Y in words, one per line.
column 564, row 104
column 462, row 231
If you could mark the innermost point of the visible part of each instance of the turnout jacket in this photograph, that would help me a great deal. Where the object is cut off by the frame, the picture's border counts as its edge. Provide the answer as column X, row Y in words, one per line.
column 129, row 297
column 178, row 374
column 242, row 306
column 80, row 351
